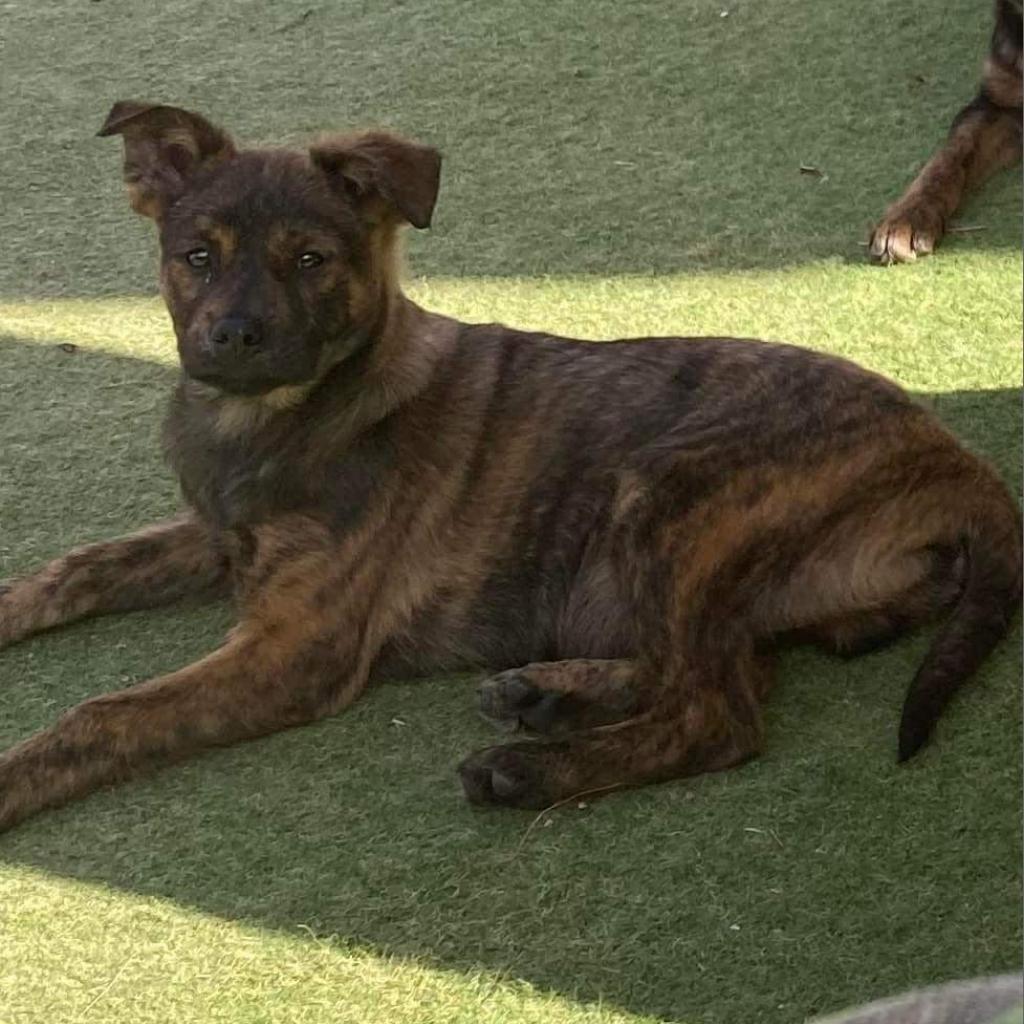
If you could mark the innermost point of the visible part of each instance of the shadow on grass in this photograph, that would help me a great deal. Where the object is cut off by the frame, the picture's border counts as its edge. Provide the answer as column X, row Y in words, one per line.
column 815, row 877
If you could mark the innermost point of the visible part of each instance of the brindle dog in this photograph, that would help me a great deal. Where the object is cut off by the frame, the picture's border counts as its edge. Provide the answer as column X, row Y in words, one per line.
column 985, row 137
column 626, row 529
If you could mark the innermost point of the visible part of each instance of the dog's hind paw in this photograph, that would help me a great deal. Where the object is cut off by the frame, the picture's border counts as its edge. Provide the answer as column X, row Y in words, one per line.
column 510, row 776
column 511, row 701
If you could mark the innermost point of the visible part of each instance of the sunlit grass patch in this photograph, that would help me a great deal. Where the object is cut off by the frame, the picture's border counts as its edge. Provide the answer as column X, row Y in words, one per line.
column 108, row 956
column 871, row 315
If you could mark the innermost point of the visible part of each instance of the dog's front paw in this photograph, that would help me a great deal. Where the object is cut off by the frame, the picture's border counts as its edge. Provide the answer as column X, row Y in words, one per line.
column 516, row 775
column 908, row 230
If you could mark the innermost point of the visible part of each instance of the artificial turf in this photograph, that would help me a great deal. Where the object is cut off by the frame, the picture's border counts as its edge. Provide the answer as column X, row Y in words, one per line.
column 611, row 169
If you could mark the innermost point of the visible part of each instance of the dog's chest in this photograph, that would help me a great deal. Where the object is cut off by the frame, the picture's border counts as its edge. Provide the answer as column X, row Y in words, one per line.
column 244, row 481
column 231, row 487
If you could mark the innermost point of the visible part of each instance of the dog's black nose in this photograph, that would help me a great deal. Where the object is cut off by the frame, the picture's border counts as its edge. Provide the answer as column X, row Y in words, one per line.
column 236, row 334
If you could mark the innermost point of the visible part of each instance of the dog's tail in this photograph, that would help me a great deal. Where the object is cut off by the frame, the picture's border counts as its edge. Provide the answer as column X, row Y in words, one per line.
column 991, row 542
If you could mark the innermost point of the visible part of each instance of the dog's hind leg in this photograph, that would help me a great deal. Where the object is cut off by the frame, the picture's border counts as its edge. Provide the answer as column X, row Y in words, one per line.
column 706, row 717
column 697, row 683
column 155, row 566
column 921, row 585
column 949, row 543
column 839, row 544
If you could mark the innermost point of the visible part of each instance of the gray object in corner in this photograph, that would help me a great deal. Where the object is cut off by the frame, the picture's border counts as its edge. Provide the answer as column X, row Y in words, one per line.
column 996, row 1000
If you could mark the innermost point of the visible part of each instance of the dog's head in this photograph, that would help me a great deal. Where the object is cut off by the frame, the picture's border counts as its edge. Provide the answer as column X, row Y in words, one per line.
column 275, row 264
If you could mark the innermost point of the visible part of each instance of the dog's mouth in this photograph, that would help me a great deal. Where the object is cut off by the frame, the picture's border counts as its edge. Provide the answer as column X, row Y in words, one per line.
column 242, row 387
column 248, row 378
column 261, row 376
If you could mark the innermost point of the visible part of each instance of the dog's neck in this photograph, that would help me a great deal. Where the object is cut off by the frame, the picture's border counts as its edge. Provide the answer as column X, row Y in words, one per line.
column 406, row 351
column 373, row 370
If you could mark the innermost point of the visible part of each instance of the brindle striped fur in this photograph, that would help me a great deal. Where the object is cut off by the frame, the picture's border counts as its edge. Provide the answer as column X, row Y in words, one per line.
column 622, row 531
column 985, row 137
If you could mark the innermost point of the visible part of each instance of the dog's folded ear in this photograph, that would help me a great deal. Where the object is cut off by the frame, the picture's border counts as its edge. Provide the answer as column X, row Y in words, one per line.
column 382, row 172
column 163, row 148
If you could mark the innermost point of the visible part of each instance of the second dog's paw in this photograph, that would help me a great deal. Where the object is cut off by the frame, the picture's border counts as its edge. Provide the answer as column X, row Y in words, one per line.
column 907, row 230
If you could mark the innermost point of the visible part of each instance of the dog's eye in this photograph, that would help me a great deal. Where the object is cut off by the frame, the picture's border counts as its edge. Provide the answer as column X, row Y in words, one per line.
column 308, row 260
column 198, row 259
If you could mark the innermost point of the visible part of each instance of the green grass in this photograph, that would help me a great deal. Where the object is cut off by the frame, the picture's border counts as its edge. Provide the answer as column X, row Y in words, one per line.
column 611, row 169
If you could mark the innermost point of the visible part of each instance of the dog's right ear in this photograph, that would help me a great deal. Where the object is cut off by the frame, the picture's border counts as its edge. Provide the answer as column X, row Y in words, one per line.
column 380, row 171
column 163, row 148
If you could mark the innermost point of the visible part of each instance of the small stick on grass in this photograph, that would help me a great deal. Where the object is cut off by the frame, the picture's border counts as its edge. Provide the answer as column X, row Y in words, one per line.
column 561, row 803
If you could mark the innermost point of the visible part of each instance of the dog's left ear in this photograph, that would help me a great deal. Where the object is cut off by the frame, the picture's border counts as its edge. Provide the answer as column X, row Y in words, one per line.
column 379, row 171
column 163, row 148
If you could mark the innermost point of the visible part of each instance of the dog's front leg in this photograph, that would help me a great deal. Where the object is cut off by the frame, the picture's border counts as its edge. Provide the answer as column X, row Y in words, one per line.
column 154, row 566
column 264, row 679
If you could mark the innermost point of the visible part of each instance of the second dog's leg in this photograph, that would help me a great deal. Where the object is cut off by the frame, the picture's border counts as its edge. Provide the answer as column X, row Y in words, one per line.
column 984, row 138
column 155, row 566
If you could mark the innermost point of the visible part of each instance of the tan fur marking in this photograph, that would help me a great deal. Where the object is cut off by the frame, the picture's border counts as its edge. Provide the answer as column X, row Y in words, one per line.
column 1003, row 84
column 222, row 235
column 238, row 415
